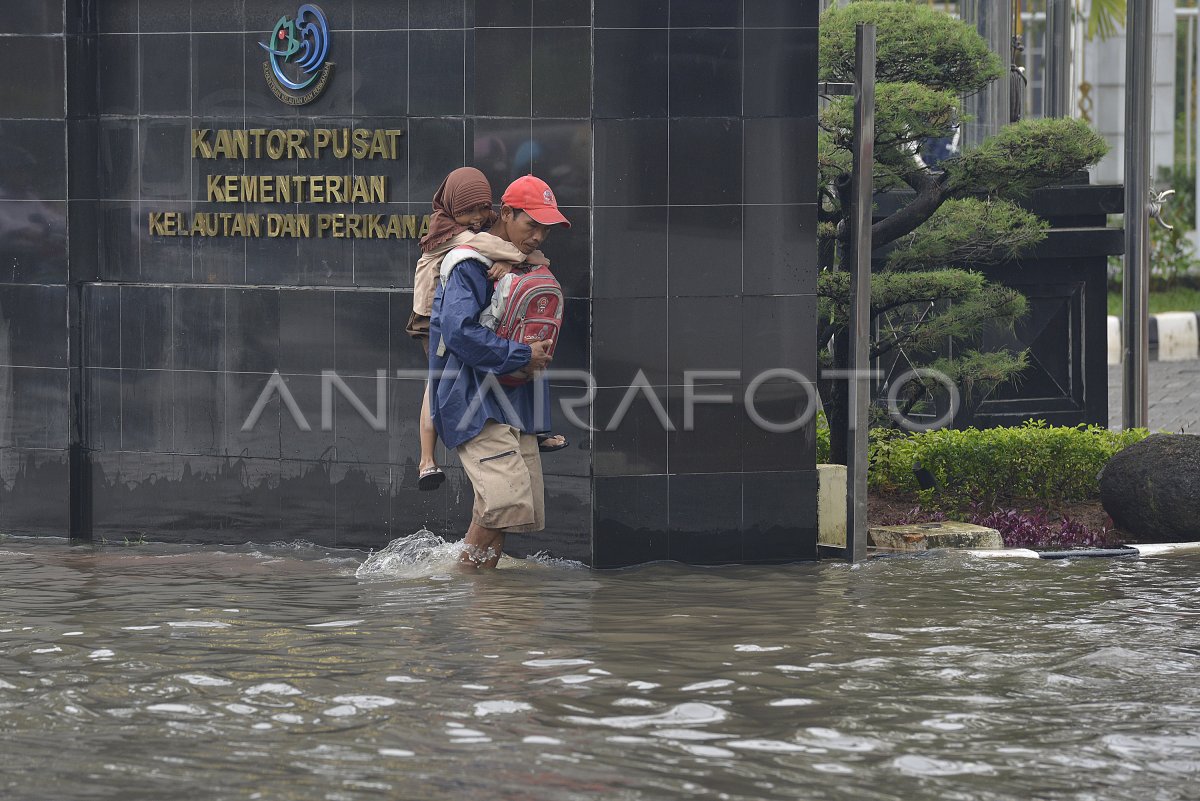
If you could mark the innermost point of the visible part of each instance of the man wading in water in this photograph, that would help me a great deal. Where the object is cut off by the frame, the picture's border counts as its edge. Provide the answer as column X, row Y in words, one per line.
column 494, row 427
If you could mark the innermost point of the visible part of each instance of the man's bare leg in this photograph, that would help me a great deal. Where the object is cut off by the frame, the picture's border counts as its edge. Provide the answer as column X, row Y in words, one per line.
column 483, row 546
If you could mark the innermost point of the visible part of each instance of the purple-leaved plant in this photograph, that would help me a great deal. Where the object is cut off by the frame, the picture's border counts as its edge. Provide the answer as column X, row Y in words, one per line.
column 1034, row 529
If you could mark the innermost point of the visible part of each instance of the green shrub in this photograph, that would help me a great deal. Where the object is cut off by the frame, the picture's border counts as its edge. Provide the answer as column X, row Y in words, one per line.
column 822, row 438
column 1032, row 461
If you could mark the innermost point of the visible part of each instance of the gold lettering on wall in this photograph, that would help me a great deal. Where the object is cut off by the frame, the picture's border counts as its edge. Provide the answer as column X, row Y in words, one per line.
column 296, row 143
column 274, row 225
column 287, row 144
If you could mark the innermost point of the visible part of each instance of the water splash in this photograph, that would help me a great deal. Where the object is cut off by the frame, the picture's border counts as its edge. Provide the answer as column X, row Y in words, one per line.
column 425, row 554
column 415, row 556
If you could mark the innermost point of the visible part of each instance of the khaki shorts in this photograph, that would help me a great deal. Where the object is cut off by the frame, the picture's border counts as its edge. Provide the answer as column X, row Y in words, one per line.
column 505, row 468
column 418, row 329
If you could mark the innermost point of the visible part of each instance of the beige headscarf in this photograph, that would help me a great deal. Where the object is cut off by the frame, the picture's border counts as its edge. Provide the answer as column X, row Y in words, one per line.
column 462, row 190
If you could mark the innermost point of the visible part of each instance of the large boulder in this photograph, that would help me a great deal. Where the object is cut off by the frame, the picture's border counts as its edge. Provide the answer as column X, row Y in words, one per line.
column 1151, row 489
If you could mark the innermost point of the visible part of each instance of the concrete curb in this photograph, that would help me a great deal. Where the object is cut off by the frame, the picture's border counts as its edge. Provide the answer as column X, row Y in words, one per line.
column 1149, row 549
column 1174, row 337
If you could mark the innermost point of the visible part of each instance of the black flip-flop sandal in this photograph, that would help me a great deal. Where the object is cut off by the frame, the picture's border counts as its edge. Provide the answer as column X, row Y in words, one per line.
column 544, row 448
column 431, row 479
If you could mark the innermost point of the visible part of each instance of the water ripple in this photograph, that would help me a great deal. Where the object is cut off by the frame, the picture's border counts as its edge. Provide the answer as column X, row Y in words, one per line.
column 275, row 667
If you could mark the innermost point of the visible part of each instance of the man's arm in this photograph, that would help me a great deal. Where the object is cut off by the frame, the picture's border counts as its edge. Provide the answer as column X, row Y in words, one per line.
column 463, row 298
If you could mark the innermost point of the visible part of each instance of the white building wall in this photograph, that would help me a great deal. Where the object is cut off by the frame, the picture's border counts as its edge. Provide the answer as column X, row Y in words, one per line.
column 1104, row 68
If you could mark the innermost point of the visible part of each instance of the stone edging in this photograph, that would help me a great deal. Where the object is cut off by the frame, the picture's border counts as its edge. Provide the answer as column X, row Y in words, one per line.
column 1174, row 337
column 1137, row 549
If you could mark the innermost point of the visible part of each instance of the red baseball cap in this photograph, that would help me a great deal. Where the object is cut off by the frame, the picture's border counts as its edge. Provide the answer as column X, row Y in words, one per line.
column 533, row 196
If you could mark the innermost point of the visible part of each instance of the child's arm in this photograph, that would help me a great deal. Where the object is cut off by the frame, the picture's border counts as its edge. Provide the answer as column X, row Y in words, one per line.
column 499, row 269
column 490, row 317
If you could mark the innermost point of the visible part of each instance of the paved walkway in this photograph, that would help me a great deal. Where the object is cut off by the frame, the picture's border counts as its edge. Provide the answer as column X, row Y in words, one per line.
column 1174, row 396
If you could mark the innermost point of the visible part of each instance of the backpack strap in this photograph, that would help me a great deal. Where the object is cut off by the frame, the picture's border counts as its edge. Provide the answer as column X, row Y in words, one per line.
column 449, row 262
column 460, row 254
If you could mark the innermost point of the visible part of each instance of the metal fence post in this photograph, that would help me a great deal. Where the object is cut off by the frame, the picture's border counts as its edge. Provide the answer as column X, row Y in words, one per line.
column 860, row 291
column 990, row 107
column 1057, row 92
column 1135, row 323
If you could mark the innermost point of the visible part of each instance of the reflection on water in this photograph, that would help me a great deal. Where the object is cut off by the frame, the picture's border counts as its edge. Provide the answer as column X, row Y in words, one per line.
column 275, row 672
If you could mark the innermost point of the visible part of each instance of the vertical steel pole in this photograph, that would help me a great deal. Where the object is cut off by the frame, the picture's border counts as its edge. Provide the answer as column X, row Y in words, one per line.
column 1188, row 95
column 990, row 107
column 860, row 291
column 1057, row 92
column 1135, row 323
column 1193, row 90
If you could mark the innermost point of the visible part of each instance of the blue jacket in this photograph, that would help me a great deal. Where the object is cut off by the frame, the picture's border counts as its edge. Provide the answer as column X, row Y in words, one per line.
column 471, row 353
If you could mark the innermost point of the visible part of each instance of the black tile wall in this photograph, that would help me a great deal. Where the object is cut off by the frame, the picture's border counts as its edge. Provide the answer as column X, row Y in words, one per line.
column 779, row 516
column 164, row 167
column 361, row 323
column 34, row 240
column 503, row 15
column 30, row 314
column 168, row 15
column 81, row 96
column 631, row 72
column 503, row 71
column 32, row 16
column 561, row 150
column 380, row 60
column 704, row 250
column 562, row 67
column 165, row 67
column 713, row 143
column 118, row 16
column 705, row 72
column 435, row 147
column 678, row 137
column 198, row 328
column 552, row 13
column 632, row 14
column 630, row 520
column 703, row 334
column 706, row 13
column 630, row 252
column 776, row 164
column 218, row 74
column 198, row 402
column 35, row 501
column 631, row 431
column 83, row 138
column 436, row 72
column 431, row 13
column 37, row 400
column 635, row 158
column 780, row 69
column 308, row 330
column 629, row 336
column 33, row 69
column 569, row 255
column 705, row 518
column 781, row 13
column 35, row 150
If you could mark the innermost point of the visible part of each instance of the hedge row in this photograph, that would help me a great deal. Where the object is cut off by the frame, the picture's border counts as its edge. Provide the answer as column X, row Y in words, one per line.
column 1034, row 461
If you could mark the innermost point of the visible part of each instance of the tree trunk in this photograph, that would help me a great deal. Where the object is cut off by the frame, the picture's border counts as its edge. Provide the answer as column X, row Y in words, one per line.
column 836, row 400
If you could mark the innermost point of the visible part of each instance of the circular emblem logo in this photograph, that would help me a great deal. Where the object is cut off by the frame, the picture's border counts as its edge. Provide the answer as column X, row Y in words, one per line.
column 548, row 196
column 296, row 68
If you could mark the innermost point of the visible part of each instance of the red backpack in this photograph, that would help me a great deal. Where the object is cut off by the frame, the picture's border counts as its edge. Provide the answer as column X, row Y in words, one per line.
column 532, row 312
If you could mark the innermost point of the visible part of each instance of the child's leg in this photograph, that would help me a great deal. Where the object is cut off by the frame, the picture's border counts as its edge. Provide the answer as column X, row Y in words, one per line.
column 429, row 475
column 428, row 434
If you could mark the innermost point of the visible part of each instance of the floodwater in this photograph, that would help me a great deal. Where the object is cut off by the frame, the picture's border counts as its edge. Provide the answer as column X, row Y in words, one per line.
column 275, row 672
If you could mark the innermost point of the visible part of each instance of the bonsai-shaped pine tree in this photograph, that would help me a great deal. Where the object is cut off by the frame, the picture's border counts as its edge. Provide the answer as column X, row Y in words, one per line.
column 961, row 215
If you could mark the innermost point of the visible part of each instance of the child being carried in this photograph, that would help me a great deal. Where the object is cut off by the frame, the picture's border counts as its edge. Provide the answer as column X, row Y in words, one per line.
column 526, row 306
